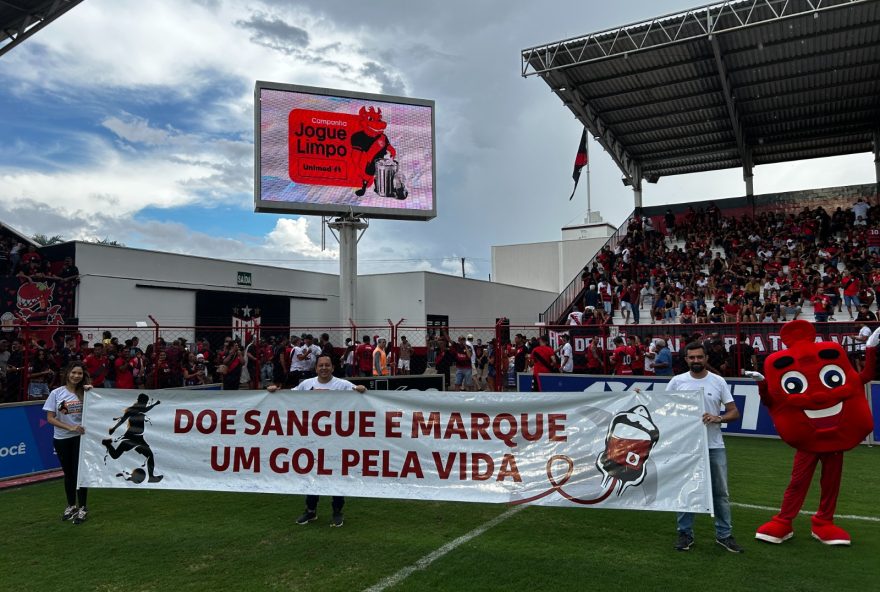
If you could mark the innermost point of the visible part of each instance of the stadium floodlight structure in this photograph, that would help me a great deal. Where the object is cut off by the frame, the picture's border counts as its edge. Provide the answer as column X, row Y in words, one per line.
column 726, row 85
column 20, row 19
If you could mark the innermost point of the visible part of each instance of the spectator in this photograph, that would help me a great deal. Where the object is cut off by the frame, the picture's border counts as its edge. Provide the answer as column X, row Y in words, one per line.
column 566, row 355
column 404, row 356
column 123, row 370
column 348, row 358
column 865, row 314
column 663, row 359
column 364, row 357
column 594, row 357
column 717, row 359
column 230, row 369
column 97, row 365
column 40, row 375
column 742, row 356
column 380, row 358
column 543, row 362
column 481, row 367
column 463, row 365
column 444, row 361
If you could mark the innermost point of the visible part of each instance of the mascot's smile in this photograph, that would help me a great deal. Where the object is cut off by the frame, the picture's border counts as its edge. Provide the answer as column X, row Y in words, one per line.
column 824, row 418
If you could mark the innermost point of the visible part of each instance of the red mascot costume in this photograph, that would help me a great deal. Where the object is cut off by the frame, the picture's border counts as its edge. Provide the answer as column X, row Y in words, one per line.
column 818, row 405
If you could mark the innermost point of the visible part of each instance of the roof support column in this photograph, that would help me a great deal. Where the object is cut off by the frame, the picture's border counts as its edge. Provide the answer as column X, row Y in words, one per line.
column 636, row 178
column 748, row 175
column 877, row 158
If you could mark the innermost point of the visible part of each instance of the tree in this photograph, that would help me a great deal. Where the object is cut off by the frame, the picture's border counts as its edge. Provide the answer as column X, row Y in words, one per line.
column 45, row 241
column 108, row 243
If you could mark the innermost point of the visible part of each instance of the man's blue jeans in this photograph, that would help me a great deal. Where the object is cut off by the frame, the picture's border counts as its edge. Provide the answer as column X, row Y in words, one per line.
column 720, row 498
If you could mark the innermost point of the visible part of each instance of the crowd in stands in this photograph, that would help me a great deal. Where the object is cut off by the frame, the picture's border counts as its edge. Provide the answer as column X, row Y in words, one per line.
column 698, row 268
column 27, row 264
column 704, row 267
column 234, row 364
column 30, row 360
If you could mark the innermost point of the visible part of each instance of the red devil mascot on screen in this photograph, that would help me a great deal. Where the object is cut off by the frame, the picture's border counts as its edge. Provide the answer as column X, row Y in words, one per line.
column 818, row 405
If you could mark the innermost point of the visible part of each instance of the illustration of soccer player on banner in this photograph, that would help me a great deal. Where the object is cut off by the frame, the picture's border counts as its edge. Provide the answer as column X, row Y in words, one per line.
column 133, row 439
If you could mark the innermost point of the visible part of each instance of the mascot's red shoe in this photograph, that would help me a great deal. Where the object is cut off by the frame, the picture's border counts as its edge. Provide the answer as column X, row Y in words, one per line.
column 827, row 533
column 776, row 531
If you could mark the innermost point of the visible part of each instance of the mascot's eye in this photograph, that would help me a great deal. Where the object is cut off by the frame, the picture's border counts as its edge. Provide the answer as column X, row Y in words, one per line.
column 832, row 376
column 794, row 382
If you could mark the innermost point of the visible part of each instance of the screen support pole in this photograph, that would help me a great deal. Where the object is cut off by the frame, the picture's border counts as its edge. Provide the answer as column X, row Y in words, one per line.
column 346, row 231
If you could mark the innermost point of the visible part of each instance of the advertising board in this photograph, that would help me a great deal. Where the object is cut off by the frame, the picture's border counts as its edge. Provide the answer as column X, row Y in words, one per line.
column 331, row 152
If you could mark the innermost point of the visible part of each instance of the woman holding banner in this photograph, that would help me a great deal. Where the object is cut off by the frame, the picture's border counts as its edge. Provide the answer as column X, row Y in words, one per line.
column 64, row 409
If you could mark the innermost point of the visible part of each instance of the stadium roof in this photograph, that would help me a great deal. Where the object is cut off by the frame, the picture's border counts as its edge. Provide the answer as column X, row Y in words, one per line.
column 19, row 19
column 731, row 84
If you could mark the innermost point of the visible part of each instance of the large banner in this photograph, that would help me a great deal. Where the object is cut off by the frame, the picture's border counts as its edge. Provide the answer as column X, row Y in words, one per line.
column 763, row 337
column 25, row 440
column 634, row 451
column 754, row 420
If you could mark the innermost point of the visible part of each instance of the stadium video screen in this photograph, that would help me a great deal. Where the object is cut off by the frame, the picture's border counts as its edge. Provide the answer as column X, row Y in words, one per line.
column 329, row 152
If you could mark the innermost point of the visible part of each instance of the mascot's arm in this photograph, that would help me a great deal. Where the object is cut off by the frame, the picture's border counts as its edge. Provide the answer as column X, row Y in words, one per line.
column 867, row 373
column 762, row 386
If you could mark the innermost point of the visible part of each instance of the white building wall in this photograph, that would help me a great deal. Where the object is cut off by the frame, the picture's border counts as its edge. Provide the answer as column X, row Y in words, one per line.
column 546, row 266
column 477, row 303
column 392, row 296
column 120, row 286
column 109, row 275
column 533, row 265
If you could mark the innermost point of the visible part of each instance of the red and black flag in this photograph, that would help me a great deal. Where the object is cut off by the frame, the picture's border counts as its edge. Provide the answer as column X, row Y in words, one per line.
column 580, row 161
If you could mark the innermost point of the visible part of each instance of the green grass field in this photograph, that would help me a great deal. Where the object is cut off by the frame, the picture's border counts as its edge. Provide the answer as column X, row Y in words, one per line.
column 156, row 541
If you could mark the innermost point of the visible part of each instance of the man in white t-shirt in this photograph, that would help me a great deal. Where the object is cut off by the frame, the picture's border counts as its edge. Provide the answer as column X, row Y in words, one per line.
column 860, row 208
column 718, row 409
column 566, row 363
column 324, row 381
column 303, row 360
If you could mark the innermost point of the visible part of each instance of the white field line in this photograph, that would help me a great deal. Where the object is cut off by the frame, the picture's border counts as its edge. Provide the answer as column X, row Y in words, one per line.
column 431, row 557
column 806, row 513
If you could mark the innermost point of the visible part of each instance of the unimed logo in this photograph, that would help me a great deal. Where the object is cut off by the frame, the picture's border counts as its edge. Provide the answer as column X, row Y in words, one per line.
column 19, row 449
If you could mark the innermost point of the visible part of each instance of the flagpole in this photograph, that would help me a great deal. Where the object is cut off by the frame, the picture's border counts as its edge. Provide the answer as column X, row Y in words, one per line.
column 589, row 211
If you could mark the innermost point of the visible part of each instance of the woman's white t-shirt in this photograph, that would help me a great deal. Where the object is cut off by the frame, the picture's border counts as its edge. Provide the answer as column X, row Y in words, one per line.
column 68, row 410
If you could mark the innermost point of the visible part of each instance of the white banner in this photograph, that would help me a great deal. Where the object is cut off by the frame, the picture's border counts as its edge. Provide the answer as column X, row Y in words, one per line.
column 644, row 451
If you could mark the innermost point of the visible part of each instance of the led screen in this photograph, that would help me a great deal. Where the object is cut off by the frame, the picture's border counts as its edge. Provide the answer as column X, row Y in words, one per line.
column 329, row 152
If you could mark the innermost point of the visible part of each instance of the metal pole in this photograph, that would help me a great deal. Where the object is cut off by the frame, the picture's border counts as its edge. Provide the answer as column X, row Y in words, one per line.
column 462, row 267
column 637, row 196
column 589, row 210
column 347, row 229
column 877, row 159
column 636, row 177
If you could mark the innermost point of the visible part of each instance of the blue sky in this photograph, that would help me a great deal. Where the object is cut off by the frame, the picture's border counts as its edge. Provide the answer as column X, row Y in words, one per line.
column 134, row 121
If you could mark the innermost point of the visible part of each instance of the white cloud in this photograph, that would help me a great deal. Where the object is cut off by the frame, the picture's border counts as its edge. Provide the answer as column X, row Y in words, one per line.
column 160, row 95
column 292, row 236
column 137, row 129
